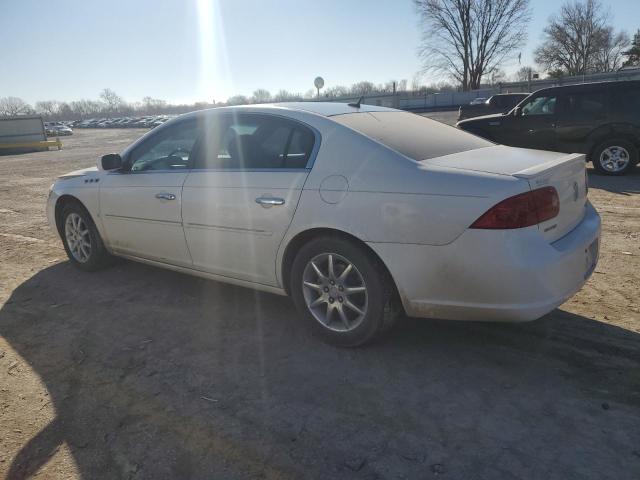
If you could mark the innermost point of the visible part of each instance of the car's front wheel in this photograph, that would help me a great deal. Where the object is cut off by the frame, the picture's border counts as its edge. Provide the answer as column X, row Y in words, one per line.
column 81, row 239
column 615, row 157
column 343, row 292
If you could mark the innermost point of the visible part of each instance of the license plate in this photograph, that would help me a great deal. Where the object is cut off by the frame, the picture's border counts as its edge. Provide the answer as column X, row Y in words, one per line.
column 591, row 254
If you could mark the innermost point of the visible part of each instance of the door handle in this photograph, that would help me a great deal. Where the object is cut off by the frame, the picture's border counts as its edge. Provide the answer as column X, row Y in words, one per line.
column 165, row 196
column 267, row 202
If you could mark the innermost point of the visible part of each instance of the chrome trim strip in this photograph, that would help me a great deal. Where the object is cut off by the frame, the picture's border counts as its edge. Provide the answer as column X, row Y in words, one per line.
column 147, row 220
column 289, row 170
column 229, row 229
column 141, row 172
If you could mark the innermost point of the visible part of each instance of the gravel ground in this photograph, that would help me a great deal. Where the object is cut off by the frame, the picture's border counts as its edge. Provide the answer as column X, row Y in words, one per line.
column 138, row 372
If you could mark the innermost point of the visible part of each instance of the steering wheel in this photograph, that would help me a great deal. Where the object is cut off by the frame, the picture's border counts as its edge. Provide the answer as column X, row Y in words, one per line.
column 179, row 150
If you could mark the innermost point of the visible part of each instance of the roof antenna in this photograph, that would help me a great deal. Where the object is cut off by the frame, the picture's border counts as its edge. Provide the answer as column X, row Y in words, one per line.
column 357, row 104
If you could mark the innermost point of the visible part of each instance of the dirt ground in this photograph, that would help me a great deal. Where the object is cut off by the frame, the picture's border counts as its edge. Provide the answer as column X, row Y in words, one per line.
column 138, row 372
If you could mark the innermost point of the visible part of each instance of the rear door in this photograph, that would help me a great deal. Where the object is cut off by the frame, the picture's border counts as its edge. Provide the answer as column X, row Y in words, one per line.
column 534, row 127
column 240, row 199
column 580, row 114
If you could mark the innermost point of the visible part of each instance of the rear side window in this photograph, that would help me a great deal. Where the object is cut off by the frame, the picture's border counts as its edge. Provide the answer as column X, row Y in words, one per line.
column 254, row 141
column 412, row 135
column 585, row 104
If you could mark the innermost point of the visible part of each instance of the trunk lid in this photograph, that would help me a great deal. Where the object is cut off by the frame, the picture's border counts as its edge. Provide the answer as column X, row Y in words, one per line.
column 567, row 175
column 565, row 172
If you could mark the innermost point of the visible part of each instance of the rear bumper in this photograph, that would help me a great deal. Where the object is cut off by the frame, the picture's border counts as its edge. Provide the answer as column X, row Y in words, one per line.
column 494, row 275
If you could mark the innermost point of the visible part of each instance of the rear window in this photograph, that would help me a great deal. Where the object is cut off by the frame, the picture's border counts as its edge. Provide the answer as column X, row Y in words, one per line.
column 412, row 135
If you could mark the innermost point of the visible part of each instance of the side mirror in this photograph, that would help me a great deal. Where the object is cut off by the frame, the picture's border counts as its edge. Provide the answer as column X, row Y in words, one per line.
column 517, row 111
column 111, row 161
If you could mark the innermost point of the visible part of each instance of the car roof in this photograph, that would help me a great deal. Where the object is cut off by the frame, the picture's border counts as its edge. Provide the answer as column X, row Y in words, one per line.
column 329, row 109
column 326, row 109
column 588, row 86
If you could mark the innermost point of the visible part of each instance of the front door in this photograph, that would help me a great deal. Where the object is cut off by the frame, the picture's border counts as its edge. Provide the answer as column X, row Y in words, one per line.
column 535, row 126
column 141, row 206
column 240, row 199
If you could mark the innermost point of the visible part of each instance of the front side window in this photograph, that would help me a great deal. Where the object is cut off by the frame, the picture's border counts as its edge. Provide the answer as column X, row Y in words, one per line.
column 254, row 141
column 168, row 150
column 540, row 106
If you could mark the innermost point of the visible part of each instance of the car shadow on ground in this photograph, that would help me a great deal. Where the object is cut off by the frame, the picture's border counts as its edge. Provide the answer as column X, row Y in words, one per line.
column 628, row 184
column 155, row 374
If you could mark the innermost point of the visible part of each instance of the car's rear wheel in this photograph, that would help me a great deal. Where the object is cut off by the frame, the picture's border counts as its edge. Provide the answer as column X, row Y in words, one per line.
column 343, row 292
column 615, row 157
column 81, row 239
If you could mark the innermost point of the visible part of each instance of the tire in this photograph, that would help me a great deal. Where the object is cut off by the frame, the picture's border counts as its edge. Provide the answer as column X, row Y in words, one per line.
column 614, row 157
column 356, row 318
column 88, row 251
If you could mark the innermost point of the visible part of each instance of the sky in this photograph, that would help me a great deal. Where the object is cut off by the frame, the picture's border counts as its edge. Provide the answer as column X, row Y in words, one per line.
column 203, row 50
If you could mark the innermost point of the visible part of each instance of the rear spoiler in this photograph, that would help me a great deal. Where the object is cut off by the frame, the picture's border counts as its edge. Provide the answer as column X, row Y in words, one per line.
column 536, row 170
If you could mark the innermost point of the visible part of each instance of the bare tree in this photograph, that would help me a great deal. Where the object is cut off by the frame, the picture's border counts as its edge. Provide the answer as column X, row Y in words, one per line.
column 153, row 105
column 237, row 100
column 468, row 39
column 362, row 88
column 48, row 108
column 286, row 96
column 579, row 41
column 523, row 74
column 336, row 91
column 497, row 76
column 261, row 96
column 11, row 106
column 610, row 48
column 84, row 108
column 112, row 99
column 416, row 83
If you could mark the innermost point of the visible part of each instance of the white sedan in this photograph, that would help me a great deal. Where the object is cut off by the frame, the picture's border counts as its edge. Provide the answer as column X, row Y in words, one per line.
column 357, row 212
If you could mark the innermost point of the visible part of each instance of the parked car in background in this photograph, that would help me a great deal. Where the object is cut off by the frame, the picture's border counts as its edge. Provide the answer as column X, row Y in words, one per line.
column 500, row 103
column 354, row 211
column 147, row 121
column 478, row 101
column 58, row 129
column 601, row 120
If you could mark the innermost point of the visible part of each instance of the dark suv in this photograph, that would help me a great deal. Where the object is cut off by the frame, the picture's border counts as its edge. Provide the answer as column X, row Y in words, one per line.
column 601, row 120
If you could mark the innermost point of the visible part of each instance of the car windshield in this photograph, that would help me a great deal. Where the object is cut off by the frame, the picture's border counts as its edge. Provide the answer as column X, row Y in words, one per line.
column 414, row 136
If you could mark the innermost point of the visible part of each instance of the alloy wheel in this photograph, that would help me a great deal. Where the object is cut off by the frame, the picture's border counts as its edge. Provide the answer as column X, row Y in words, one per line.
column 78, row 239
column 335, row 292
column 614, row 159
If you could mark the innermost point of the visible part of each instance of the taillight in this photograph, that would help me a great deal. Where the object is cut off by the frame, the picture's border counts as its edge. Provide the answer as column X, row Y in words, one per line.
column 522, row 210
